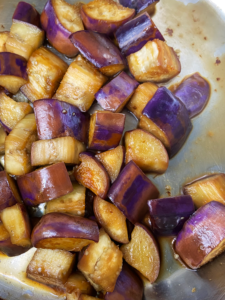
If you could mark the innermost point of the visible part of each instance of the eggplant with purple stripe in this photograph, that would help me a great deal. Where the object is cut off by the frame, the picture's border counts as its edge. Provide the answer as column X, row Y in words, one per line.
column 115, row 94
column 167, row 119
column 106, row 129
column 194, row 92
column 64, row 232
column 60, row 19
column 140, row 5
column 203, row 236
column 26, row 13
column 100, row 51
column 13, row 73
column 57, row 119
column 131, row 191
column 105, row 16
column 168, row 215
column 134, row 34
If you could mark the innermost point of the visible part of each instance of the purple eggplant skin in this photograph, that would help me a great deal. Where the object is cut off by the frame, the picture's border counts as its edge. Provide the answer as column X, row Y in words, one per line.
column 171, row 116
column 97, row 48
column 56, row 118
column 10, row 249
column 131, row 191
column 129, row 286
column 168, row 215
column 13, row 64
column 114, row 95
column 7, row 197
column 56, row 33
column 59, row 225
column 194, row 92
column 203, row 235
column 140, row 5
column 134, row 34
column 26, row 13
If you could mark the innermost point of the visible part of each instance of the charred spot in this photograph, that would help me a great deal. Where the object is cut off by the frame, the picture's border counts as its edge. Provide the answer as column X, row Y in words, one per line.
column 169, row 31
column 218, row 79
column 218, row 61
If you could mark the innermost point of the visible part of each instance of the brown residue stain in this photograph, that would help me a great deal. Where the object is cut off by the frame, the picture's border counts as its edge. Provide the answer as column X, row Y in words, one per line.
column 205, row 37
column 218, row 79
column 218, row 61
column 169, row 31
column 200, row 55
column 168, row 190
column 210, row 133
column 195, row 19
column 192, row 44
column 215, row 90
column 181, row 35
column 178, row 24
column 3, row 26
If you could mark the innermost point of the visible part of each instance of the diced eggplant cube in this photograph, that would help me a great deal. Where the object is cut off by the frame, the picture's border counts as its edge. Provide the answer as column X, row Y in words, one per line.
column 45, row 71
column 26, row 13
column 203, row 235
column 146, row 151
column 3, row 136
column 45, row 184
column 194, row 92
column 167, row 119
column 60, row 19
column 80, row 84
column 86, row 297
column 100, row 51
column 78, row 283
column 92, row 174
column 105, row 16
column 156, row 62
column 57, row 119
column 142, row 95
column 115, row 94
column 101, row 263
column 51, row 267
column 72, row 203
column 16, row 221
column 168, row 215
column 13, row 71
column 18, row 146
column 113, row 161
column 11, row 112
column 142, row 253
column 111, row 219
column 140, row 5
column 64, row 232
column 3, row 38
column 131, row 191
column 106, row 129
column 134, row 34
column 206, row 189
column 63, row 149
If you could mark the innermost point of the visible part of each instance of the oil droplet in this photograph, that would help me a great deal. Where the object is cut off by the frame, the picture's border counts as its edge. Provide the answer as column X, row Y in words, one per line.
column 73, row 113
column 64, row 111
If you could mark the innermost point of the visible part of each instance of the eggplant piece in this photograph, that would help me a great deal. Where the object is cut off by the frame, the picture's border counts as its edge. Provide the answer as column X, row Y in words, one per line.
column 156, row 62
column 72, row 203
column 57, row 119
column 26, row 13
column 101, row 263
column 167, row 119
column 45, row 184
column 134, row 34
column 168, row 215
column 128, row 286
column 3, row 136
column 142, row 253
column 203, row 235
column 51, row 267
column 92, row 174
column 11, row 112
column 64, row 149
column 64, row 232
column 78, row 283
column 80, row 84
column 194, row 92
column 105, row 16
column 18, row 146
column 115, row 94
column 111, row 219
column 9, row 195
column 106, row 129
column 206, row 189
column 86, row 297
column 131, row 191
column 45, row 71
column 60, row 19
column 140, row 5
column 113, row 161
column 142, row 95
column 13, row 73
column 6, row 245
column 146, row 151
column 3, row 38
column 100, row 51
column 16, row 221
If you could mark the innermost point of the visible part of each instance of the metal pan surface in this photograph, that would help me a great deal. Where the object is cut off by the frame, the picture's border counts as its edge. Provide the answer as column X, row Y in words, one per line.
column 196, row 30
